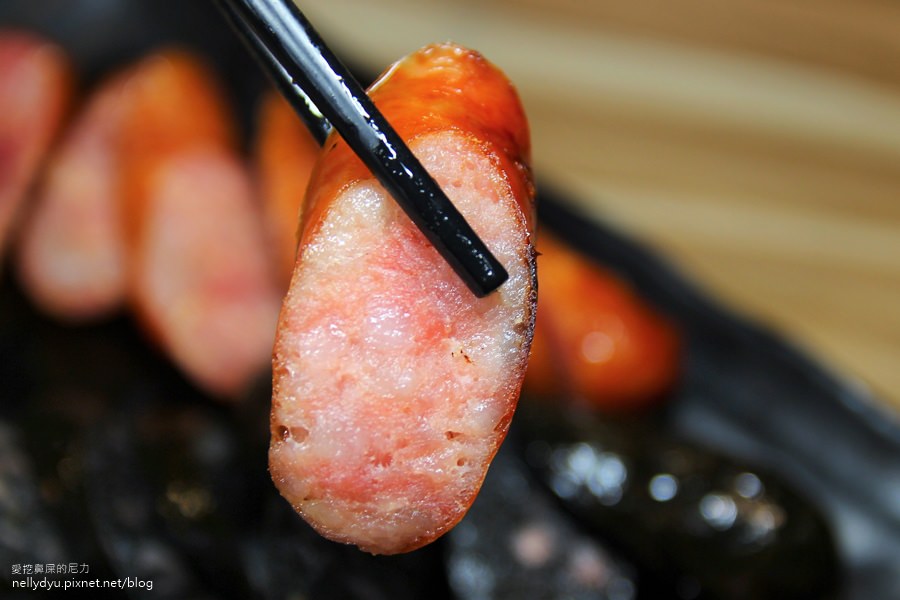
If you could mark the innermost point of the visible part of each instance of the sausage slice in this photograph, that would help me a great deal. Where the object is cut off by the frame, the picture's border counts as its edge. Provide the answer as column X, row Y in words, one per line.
column 71, row 254
column 393, row 384
column 35, row 86
column 200, row 281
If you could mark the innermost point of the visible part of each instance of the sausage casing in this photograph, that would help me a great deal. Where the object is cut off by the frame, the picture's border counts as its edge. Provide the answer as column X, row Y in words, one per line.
column 393, row 385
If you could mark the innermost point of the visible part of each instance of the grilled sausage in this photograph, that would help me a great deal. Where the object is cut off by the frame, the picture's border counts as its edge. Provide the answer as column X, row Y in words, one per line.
column 200, row 278
column 596, row 341
column 71, row 254
column 35, row 85
column 285, row 154
column 394, row 385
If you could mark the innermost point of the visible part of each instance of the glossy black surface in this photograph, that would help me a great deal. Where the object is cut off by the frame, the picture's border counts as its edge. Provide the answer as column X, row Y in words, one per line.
column 694, row 521
column 516, row 543
column 751, row 395
column 314, row 120
column 108, row 457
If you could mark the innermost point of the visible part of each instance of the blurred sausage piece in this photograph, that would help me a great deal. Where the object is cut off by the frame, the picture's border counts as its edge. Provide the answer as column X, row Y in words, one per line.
column 174, row 105
column 35, row 82
column 71, row 254
column 200, row 279
column 201, row 273
column 285, row 153
column 596, row 341
column 394, row 385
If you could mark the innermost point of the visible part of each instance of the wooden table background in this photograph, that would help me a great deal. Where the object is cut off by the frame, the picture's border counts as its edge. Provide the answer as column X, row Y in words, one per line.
column 754, row 143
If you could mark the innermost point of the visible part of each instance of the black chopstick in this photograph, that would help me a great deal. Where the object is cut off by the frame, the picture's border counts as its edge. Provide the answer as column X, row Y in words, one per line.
column 312, row 117
column 313, row 80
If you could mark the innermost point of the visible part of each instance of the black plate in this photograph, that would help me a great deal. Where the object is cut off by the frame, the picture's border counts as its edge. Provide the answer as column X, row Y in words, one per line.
column 116, row 462
column 752, row 395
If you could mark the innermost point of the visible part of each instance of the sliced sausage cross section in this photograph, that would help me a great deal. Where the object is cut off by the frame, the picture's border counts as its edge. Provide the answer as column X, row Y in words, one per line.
column 393, row 384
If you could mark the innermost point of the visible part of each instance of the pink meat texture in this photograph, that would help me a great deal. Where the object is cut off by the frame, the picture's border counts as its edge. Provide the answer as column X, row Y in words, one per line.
column 200, row 279
column 35, row 81
column 71, row 255
column 393, row 385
